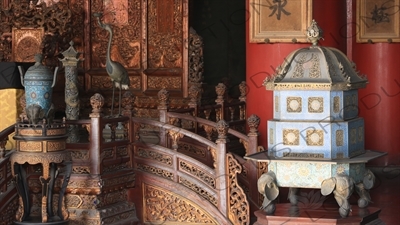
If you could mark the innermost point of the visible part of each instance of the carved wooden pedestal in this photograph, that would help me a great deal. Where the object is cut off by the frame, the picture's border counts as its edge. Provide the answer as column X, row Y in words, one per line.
column 289, row 215
column 41, row 144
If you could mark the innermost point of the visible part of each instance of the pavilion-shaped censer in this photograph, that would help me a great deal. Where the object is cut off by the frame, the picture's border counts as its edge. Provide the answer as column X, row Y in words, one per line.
column 316, row 139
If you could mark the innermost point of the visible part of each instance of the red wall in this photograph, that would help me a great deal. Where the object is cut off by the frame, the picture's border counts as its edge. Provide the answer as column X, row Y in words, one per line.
column 379, row 102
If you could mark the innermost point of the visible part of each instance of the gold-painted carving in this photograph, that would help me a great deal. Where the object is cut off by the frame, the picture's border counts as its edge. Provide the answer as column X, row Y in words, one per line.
column 31, row 132
column 26, row 43
column 154, row 82
column 164, row 207
column 30, row 146
column 107, row 153
column 222, row 128
column 81, row 170
column 238, row 209
column 220, row 89
column 56, row 145
column 81, row 201
column 187, row 148
column 165, row 43
column 291, row 137
column 336, row 104
column 315, row 137
column 315, row 104
column 80, row 154
column 253, row 121
column 293, row 104
column 175, row 136
column 122, row 151
column 314, row 86
column 315, row 70
column 213, row 152
column 156, row 171
column 157, row 156
column 276, row 101
column 209, row 131
column 299, row 68
column 103, row 82
column 303, row 155
column 116, row 12
column 56, row 132
column 339, row 138
column 197, row 172
column 200, row 191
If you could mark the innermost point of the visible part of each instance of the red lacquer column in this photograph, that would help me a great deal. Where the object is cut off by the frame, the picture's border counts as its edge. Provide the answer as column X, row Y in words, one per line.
column 379, row 102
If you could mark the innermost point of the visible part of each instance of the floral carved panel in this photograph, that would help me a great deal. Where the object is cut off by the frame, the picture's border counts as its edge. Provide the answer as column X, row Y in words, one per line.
column 164, row 33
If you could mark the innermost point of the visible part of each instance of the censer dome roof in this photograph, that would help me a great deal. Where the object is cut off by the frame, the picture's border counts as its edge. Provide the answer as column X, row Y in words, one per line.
column 316, row 68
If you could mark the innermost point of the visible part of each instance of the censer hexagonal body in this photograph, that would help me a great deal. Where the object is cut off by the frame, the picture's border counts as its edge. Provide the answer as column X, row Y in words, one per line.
column 38, row 82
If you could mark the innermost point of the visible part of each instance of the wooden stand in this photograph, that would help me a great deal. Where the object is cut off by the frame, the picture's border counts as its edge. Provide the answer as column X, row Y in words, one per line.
column 288, row 214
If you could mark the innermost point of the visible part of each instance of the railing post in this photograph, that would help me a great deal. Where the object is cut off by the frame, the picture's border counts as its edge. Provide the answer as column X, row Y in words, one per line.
column 220, row 167
column 163, row 102
column 254, row 169
column 195, row 92
column 220, row 90
column 96, row 129
column 253, row 121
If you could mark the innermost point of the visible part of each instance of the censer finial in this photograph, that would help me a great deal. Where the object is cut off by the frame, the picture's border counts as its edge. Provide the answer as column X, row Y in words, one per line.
column 314, row 33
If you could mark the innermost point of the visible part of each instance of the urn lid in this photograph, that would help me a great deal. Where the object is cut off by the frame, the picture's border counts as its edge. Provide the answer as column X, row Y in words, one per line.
column 316, row 68
column 38, row 70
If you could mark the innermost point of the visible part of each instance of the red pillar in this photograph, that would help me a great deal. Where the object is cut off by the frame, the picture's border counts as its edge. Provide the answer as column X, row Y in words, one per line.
column 379, row 102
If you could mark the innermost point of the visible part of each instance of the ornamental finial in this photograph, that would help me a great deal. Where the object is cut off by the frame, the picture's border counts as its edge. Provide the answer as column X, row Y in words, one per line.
column 314, row 33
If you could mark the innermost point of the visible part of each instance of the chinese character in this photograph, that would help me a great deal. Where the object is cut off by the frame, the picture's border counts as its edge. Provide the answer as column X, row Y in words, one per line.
column 380, row 14
column 278, row 8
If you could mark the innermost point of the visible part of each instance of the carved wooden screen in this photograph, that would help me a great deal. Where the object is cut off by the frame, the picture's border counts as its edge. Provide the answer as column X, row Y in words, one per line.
column 150, row 40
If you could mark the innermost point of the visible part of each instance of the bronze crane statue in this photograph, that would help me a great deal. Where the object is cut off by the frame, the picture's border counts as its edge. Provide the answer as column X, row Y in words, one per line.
column 117, row 72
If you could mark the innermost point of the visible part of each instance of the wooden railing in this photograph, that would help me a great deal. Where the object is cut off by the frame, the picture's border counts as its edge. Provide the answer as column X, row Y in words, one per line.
column 163, row 157
column 102, row 174
column 117, row 159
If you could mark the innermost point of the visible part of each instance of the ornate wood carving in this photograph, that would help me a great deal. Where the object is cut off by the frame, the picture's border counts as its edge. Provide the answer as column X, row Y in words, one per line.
column 239, row 209
column 159, row 204
column 164, row 34
column 54, row 18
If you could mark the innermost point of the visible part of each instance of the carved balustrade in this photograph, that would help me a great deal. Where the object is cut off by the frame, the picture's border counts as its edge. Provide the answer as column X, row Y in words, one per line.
column 179, row 155
column 216, row 184
column 102, row 172
column 233, row 111
column 237, row 139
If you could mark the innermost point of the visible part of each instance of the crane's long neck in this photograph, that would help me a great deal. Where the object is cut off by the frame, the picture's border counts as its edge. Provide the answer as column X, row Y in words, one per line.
column 108, row 59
